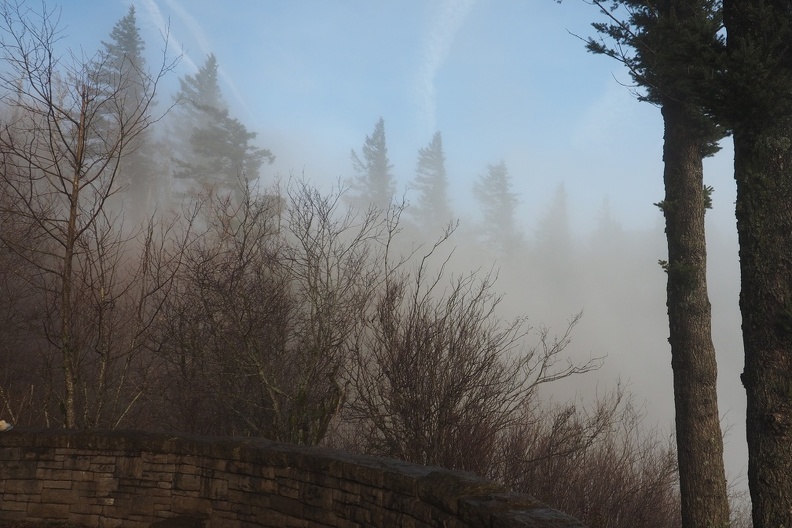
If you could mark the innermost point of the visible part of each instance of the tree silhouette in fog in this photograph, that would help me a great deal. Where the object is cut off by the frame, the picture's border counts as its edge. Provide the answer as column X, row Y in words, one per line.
column 373, row 183
column 431, row 182
column 214, row 149
column 498, row 203
column 122, row 63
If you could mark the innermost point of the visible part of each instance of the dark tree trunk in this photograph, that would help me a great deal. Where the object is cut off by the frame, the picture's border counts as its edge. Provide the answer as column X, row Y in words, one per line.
column 764, row 223
column 699, row 438
column 759, row 91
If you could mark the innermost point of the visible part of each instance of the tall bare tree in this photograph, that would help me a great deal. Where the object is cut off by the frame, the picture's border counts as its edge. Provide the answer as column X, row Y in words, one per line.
column 61, row 150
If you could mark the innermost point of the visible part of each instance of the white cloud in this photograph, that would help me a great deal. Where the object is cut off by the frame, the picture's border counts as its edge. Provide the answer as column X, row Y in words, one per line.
column 445, row 22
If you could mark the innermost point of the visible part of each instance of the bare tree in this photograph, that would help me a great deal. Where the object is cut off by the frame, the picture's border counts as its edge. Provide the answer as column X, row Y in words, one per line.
column 61, row 150
column 257, row 331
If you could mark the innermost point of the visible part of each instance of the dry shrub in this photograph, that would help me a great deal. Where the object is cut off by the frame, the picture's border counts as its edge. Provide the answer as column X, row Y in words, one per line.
column 596, row 463
column 438, row 375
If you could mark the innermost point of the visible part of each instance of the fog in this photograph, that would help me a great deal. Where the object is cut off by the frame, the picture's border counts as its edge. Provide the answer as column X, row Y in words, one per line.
column 502, row 83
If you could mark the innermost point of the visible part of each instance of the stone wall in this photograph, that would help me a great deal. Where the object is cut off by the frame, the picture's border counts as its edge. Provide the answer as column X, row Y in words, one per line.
column 132, row 479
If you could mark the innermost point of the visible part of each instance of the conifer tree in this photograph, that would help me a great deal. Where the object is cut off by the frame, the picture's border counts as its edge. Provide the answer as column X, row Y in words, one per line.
column 122, row 67
column 373, row 183
column 498, row 204
column 671, row 49
column 432, row 208
column 758, row 109
column 215, row 149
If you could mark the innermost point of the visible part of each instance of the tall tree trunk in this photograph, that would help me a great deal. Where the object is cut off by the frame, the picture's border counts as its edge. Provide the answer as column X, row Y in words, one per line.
column 764, row 224
column 759, row 84
column 699, row 438
column 67, row 276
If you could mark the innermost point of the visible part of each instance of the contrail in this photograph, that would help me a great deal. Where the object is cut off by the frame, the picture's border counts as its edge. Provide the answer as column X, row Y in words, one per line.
column 199, row 35
column 154, row 13
column 444, row 24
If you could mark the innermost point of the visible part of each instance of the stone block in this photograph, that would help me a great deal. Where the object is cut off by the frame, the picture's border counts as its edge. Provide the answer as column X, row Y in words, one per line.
column 13, row 515
column 83, row 519
column 290, row 507
column 56, row 484
column 77, row 463
column 8, row 454
column 191, row 505
column 48, row 511
column 12, row 505
column 129, row 467
column 59, row 496
column 218, row 489
column 288, row 488
column 22, row 487
column 187, row 482
column 105, row 485
column 110, row 522
column 86, row 508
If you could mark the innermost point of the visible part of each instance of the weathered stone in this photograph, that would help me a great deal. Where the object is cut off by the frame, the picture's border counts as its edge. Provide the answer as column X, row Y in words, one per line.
column 137, row 480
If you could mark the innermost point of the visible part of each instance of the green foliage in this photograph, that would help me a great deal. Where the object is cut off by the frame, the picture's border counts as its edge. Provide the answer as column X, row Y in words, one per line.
column 126, row 45
column 758, row 79
column 673, row 50
column 202, row 90
column 216, row 149
column 708, row 190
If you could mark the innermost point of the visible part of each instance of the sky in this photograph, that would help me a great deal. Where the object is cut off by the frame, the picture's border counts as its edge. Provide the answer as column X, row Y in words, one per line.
column 503, row 80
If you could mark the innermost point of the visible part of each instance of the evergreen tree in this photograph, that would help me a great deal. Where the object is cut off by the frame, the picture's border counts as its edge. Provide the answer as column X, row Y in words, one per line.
column 215, row 149
column 432, row 208
column 671, row 49
column 200, row 91
column 758, row 108
column 373, row 183
column 498, row 204
column 122, row 69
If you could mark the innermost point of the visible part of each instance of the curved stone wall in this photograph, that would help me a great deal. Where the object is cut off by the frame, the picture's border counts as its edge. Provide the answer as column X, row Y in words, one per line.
column 133, row 479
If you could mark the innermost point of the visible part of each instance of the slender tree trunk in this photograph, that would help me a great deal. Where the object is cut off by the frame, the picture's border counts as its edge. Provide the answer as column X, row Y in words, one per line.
column 67, row 276
column 699, row 437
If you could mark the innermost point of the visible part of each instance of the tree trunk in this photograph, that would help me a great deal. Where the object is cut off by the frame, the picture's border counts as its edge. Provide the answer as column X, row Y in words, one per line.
column 764, row 224
column 67, row 277
column 759, row 84
column 699, row 437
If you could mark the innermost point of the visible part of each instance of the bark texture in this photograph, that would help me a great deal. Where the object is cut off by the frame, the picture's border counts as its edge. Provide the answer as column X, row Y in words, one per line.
column 759, row 87
column 764, row 224
column 699, row 437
